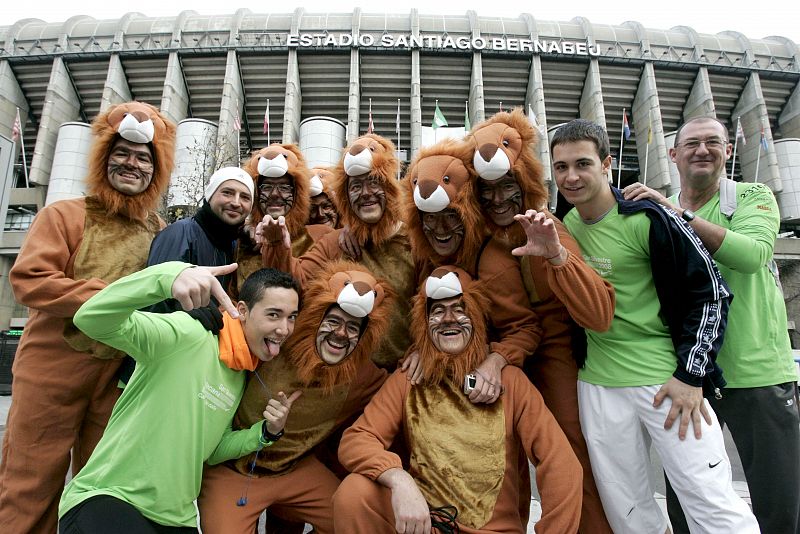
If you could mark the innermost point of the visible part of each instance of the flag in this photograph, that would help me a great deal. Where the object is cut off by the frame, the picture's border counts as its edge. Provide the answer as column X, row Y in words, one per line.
column 397, row 121
column 438, row 118
column 626, row 130
column 237, row 123
column 739, row 131
column 467, row 126
column 266, row 121
column 370, row 125
column 16, row 130
column 764, row 140
column 501, row 106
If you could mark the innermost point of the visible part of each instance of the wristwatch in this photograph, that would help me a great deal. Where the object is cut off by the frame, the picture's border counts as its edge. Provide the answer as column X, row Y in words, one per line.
column 688, row 215
column 268, row 438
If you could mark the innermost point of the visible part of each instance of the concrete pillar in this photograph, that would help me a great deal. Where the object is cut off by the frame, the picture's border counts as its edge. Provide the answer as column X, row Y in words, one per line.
column 232, row 104
column 534, row 100
column 61, row 105
column 354, row 89
column 753, row 112
column 416, row 90
column 787, row 152
column 476, row 101
column 646, row 112
column 292, row 110
column 175, row 96
column 116, row 90
column 11, row 98
column 789, row 119
column 591, row 107
column 701, row 101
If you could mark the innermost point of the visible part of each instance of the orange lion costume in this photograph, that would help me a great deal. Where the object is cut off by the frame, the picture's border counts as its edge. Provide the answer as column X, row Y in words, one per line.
column 321, row 191
column 504, row 148
column 462, row 455
column 65, row 384
column 385, row 249
column 287, row 477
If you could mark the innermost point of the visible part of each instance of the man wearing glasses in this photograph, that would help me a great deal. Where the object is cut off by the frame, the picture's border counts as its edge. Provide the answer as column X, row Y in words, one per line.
column 738, row 224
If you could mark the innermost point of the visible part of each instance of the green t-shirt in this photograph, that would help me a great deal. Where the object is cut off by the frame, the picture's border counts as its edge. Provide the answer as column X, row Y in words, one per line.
column 756, row 350
column 176, row 411
column 637, row 350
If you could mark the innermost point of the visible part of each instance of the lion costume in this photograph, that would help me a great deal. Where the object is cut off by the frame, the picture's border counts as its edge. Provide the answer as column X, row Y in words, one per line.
column 332, row 396
column 64, row 383
column 461, row 454
column 560, row 295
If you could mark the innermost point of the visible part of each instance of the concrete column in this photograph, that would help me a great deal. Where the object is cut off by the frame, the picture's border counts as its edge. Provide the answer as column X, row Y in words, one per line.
column 753, row 112
column 175, row 96
column 534, row 100
column 701, row 101
column 591, row 107
column 61, row 105
column 416, row 90
column 11, row 98
column 354, row 89
column 647, row 111
column 292, row 110
column 231, row 105
column 789, row 119
column 476, row 104
column 116, row 90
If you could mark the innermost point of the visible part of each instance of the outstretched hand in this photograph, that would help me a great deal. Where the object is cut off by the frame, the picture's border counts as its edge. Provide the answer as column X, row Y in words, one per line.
column 194, row 287
column 271, row 230
column 277, row 411
column 542, row 236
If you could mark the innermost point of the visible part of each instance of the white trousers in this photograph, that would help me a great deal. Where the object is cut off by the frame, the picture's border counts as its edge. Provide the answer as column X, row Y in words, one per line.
column 618, row 424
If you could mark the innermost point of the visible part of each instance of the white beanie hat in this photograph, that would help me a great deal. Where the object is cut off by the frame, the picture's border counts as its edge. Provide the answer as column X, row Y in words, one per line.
column 228, row 173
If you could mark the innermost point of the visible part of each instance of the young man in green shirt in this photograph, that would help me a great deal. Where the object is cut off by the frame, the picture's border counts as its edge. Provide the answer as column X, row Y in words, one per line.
column 652, row 366
column 738, row 224
column 176, row 412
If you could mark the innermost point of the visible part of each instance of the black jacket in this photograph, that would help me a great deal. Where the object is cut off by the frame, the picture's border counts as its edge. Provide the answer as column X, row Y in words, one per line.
column 694, row 298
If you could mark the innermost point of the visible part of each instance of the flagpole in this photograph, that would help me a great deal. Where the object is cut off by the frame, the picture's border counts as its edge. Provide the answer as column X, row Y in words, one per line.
column 646, row 155
column 266, row 119
column 24, row 158
column 621, row 140
column 647, row 146
column 435, row 133
column 398, row 135
column 735, row 144
column 758, row 159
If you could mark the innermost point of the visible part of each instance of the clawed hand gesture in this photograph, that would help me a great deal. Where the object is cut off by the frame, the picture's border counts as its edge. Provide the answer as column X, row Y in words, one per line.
column 271, row 230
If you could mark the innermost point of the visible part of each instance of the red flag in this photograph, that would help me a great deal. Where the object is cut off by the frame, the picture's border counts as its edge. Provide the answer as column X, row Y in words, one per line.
column 16, row 130
column 370, row 125
column 237, row 123
column 266, row 121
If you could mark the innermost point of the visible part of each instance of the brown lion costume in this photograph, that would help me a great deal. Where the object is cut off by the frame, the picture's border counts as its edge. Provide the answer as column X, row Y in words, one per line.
column 503, row 145
column 297, row 170
column 441, row 176
column 105, row 128
column 380, row 161
column 436, row 364
column 325, row 291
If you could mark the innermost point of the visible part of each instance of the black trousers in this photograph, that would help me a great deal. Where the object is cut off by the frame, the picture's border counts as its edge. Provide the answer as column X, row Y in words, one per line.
column 765, row 425
column 108, row 515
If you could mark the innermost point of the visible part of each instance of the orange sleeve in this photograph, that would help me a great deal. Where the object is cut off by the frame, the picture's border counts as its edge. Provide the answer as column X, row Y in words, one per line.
column 589, row 298
column 364, row 445
column 559, row 477
column 304, row 268
column 41, row 276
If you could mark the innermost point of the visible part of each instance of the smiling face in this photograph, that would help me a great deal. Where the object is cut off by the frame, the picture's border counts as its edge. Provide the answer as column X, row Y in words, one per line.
column 582, row 177
column 130, row 167
column 323, row 211
column 500, row 199
column 337, row 335
column 231, row 202
column 449, row 327
column 275, row 195
column 367, row 197
column 444, row 231
column 698, row 165
column 269, row 322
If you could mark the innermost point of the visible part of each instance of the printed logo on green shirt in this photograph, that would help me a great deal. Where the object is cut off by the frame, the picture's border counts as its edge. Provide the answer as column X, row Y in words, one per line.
column 601, row 265
column 217, row 398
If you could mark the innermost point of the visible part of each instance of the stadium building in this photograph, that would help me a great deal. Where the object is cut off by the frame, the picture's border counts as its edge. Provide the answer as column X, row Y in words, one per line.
column 234, row 82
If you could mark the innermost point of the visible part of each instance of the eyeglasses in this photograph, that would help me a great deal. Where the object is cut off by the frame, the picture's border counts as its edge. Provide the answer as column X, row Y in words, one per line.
column 711, row 144
column 283, row 189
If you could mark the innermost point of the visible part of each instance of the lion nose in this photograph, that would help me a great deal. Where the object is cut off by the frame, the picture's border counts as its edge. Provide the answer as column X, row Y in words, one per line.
column 427, row 187
column 487, row 151
column 361, row 287
column 355, row 150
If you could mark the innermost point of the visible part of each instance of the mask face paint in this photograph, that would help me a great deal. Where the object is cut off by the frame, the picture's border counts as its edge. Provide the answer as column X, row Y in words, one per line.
column 444, row 231
column 337, row 335
column 500, row 199
column 449, row 327
column 367, row 198
column 130, row 167
column 275, row 195
column 323, row 211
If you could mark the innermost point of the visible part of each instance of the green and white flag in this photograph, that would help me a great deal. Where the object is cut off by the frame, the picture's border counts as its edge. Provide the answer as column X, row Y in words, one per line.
column 438, row 118
column 466, row 118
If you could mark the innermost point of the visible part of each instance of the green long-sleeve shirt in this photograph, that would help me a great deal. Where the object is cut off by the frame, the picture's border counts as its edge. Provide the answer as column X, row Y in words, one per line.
column 176, row 411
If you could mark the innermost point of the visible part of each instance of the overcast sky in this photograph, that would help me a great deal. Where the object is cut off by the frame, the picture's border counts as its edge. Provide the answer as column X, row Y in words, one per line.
column 755, row 19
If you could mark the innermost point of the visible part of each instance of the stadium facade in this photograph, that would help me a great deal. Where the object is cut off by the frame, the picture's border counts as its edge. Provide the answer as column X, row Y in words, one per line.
column 222, row 71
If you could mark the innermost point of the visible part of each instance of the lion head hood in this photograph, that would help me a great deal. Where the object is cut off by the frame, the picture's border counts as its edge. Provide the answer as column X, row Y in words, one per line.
column 374, row 156
column 136, row 122
column 441, row 176
column 275, row 161
column 446, row 282
column 355, row 291
column 504, row 145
